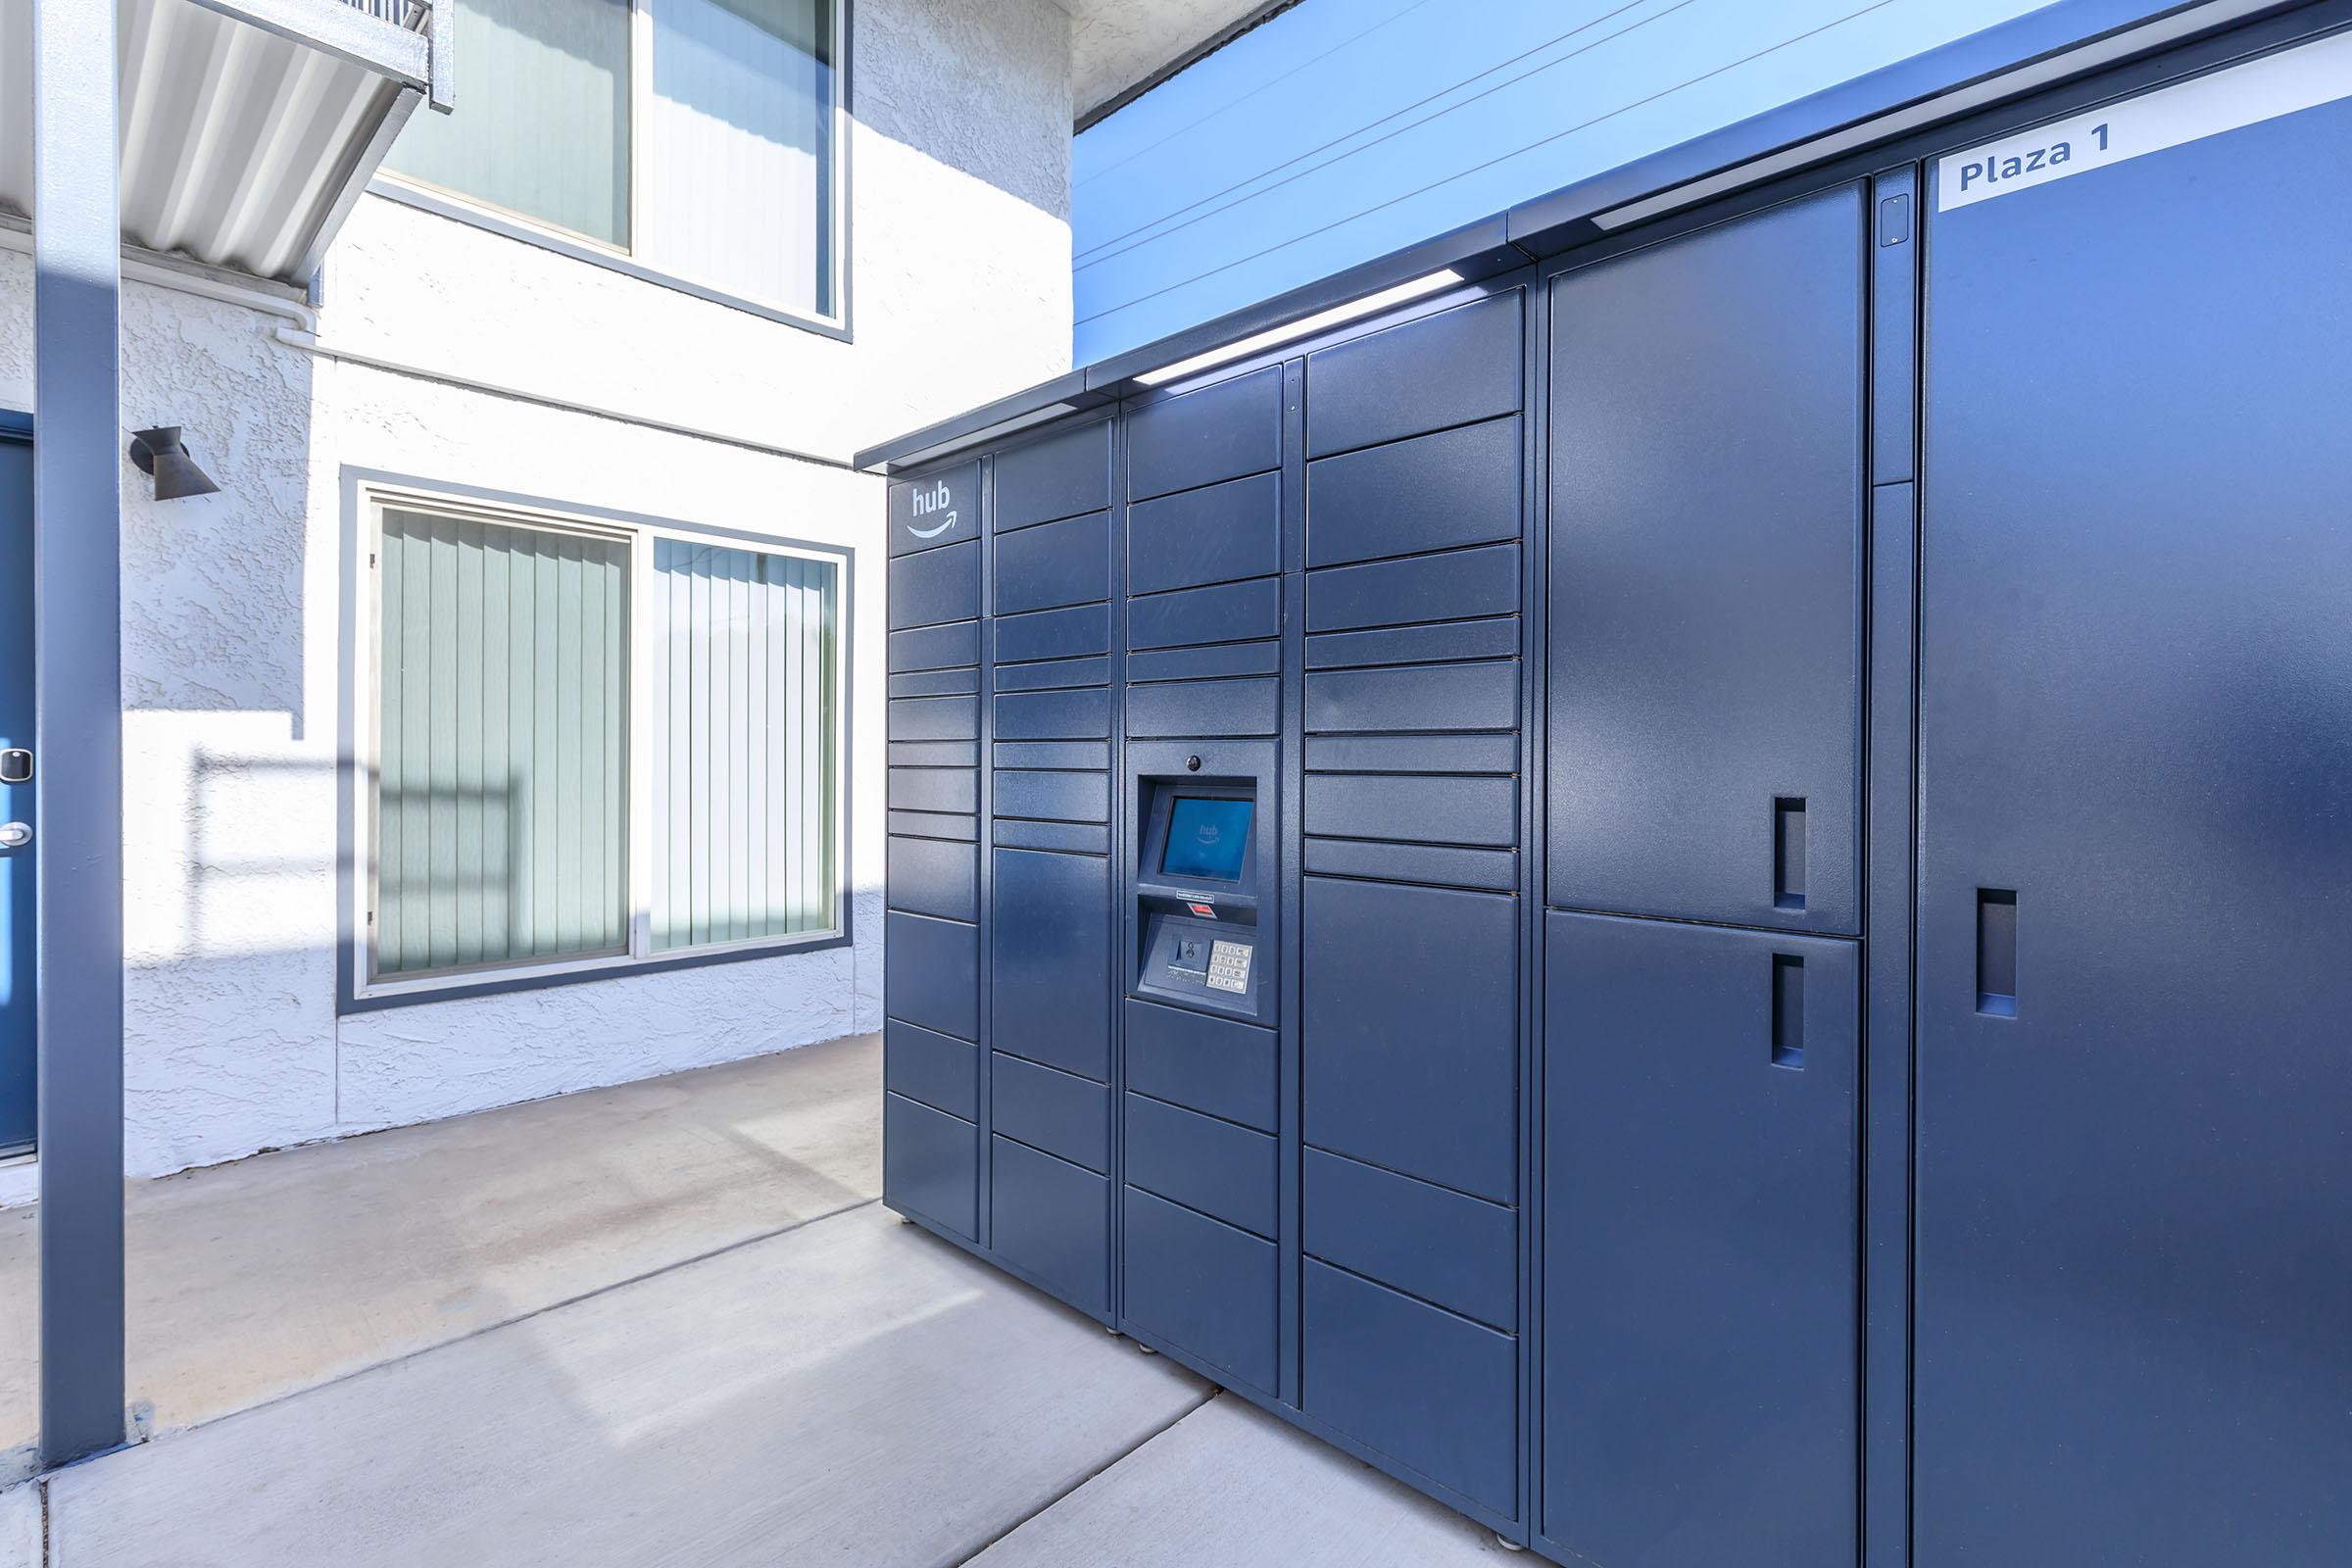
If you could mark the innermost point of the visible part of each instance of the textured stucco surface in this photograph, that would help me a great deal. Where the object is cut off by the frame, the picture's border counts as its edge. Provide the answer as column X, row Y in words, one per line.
column 235, row 686
column 960, row 174
column 21, row 1544
column 1117, row 43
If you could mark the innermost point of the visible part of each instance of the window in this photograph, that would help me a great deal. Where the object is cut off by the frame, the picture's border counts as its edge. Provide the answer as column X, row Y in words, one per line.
column 741, row 745
column 542, row 125
column 697, row 137
column 593, row 746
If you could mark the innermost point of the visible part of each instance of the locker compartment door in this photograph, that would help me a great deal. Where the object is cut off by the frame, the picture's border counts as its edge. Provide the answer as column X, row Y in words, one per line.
column 2134, row 1088
column 1411, row 1030
column 1050, row 997
column 930, row 1165
column 1702, row 1244
column 1707, row 495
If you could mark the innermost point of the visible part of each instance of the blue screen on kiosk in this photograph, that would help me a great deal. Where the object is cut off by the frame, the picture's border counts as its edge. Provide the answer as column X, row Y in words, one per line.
column 1207, row 837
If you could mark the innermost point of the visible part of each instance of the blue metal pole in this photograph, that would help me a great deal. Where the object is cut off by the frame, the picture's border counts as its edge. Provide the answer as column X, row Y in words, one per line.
column 77, row 679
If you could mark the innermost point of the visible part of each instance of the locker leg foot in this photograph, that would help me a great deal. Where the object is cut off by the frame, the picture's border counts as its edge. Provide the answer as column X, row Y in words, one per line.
column 1146, row 1350
column 1507, row 1542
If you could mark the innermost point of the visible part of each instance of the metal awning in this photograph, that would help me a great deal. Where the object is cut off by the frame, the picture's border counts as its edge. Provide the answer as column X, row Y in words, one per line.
column 248, row 128
column 2062, row 40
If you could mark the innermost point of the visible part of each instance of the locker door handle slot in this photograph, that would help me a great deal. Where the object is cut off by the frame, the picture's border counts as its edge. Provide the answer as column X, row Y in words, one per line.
column 1788, row 853
column 1996, row 952
column 1787, row 1013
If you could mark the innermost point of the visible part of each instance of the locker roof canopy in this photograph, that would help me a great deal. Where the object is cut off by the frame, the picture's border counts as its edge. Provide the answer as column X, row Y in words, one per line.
column 2039, row 52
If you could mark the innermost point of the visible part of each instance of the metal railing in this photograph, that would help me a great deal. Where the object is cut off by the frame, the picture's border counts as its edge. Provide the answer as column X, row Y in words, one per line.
column 434, row 19
column 400, row 12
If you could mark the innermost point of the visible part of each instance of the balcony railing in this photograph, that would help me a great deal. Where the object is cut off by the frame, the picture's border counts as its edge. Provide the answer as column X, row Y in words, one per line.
column 435, row 20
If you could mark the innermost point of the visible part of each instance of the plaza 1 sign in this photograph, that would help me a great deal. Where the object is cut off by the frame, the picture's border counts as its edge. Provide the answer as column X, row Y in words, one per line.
column 2276, row 84
column 939, row 508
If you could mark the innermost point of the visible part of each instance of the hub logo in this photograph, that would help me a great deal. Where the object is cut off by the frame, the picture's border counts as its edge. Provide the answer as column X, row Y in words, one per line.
column 933, row 508
column 932, row 502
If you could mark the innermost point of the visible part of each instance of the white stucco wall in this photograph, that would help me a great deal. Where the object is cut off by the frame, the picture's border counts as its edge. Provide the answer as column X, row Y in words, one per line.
column 236, row 683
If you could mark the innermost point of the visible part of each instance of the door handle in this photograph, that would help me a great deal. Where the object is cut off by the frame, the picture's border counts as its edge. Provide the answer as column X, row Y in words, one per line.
column 15, row 835
column 1996, row 952
column 1788, row 853
column 1787, row 1012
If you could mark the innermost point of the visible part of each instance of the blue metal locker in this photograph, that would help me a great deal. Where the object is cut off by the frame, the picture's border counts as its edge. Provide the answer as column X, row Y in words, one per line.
column 1201, row 1118
column 1700, row 1150
column 1410, row 926
column 1885, row 588
column 1048, row 931
column 2135, row 1264
column 931, row 1001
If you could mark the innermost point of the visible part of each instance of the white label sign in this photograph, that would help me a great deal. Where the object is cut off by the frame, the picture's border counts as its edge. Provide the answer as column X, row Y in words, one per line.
column 2292, row 79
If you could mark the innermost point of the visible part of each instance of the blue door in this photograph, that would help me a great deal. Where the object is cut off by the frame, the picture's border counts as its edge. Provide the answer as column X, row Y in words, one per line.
column 15, row 798
column 2134, row 1272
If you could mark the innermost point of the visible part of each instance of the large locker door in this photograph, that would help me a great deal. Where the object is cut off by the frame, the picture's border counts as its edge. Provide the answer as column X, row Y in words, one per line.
column 1707, row 527
column 1700, row 1276
column 2134, row 1305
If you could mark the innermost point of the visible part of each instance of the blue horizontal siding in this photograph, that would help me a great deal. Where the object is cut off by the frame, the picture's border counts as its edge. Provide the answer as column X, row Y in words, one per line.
column 1343, row 129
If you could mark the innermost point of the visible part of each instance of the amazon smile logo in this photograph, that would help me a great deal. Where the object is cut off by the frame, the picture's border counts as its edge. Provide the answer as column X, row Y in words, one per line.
column 928, row 504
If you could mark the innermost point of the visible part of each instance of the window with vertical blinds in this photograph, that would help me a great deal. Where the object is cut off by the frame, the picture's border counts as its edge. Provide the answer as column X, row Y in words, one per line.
column 542, row 126
column 740, row 119
column 742, row 717
column 593, row 748
column 501, row 761
column 702, row 138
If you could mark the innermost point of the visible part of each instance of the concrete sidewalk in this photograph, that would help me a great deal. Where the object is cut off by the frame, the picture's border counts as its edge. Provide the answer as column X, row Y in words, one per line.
column 853, row 1391
column 248, row 1282
column 683, row 1335
column 1231, row 1485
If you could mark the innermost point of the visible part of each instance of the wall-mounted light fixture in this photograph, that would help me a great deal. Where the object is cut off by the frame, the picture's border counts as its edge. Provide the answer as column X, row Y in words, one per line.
column 160, row 453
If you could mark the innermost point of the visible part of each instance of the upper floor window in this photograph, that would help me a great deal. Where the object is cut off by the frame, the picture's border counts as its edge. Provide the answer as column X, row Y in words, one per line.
column 699, row 137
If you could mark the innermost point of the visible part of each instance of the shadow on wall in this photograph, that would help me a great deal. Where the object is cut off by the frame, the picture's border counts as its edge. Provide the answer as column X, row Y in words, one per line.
column 484, row 863
column 235, row 1038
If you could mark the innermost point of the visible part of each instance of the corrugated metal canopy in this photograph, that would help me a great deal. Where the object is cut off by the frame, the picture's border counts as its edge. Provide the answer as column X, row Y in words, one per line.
column 248, row 127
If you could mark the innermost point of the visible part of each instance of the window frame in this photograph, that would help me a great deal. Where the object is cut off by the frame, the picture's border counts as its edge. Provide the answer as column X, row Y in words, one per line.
column 635, row 259
column 363, row 987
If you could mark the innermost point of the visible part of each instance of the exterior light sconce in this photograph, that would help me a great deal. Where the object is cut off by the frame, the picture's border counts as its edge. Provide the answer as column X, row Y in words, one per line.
column 161, row 453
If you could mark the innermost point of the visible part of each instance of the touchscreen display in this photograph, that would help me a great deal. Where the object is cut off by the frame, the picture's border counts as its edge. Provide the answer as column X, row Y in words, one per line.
column 1206, row 838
